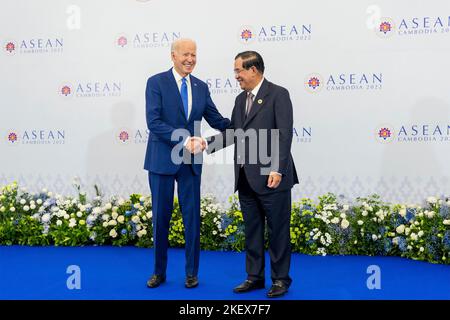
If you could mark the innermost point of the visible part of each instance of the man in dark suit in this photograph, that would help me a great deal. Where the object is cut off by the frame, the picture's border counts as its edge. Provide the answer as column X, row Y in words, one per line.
column 176, row 102
column 261, row 130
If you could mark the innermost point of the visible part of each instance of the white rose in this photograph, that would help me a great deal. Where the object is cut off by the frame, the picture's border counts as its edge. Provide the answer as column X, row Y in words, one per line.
column 335, row 220
column 105, row 224
column 2, row 209
column 58, row 222
column 113, row 233
column 409, row 247
column 345, row 224
column 374, row 237
column 369, row 208
column 120, row 219
column 121, row 201
column 149, row 214
column 79, row 214
column 45, row 218
column 114, row 215
column 39, row 201
column 66, row 216
column 23, row 201
column 115, row 208
column 364, row 213
column 214, row 232
column 407, row 230
column 112, row 223
column 72, row 223
column 346, row 207
column 135, row 219
column 137, row 206
column 414, row 236
column 12, row 209
column 360, row 222
column 138, row 227
column 400, row 229
column 96, row 210
column 32, row 207
column 105, row 217
column 420, row 233
column 421, row 249
column 26, row 208
column 395, row 240
column 343, row 215
column 108, row 206
column 446, row 222
column 402, row 212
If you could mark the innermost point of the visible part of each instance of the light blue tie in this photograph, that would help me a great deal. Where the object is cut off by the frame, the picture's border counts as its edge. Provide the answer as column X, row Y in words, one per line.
column 184, row 96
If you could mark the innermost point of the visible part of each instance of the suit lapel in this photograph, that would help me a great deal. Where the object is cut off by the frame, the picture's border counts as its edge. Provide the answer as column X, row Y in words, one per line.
column 174, row 88
column 258, row 102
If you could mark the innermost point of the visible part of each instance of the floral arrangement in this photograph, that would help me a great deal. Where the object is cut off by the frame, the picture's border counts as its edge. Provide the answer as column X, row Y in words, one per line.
column 332, row 226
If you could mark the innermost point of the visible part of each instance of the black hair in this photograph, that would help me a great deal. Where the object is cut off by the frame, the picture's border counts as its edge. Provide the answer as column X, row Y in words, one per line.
column 251, row 59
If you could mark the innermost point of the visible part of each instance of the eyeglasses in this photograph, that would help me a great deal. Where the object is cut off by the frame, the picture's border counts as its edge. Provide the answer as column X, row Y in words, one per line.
column 237, row 71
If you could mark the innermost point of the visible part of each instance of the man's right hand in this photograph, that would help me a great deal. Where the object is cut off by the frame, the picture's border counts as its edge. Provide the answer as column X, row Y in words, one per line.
column 195, row 145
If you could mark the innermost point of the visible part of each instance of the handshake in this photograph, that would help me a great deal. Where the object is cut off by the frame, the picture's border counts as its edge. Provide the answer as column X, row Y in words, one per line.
column 195, row 145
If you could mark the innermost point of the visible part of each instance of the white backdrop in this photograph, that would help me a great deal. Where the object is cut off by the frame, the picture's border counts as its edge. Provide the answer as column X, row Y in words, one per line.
column 371, row 107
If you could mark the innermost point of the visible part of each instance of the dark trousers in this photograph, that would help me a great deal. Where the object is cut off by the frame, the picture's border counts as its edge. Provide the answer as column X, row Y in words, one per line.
column 276, row 208
column 162, row 189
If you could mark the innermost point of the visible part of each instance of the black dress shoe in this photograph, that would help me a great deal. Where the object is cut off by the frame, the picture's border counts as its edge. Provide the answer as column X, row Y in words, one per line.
column 278, row 289
column 249, row 285
column 155, row 281
column 191, row 282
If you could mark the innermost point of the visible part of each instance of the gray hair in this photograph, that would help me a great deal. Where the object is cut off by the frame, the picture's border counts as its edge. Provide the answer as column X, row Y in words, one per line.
column 177, row 43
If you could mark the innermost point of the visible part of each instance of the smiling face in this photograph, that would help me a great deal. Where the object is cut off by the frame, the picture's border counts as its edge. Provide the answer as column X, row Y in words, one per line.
column 247, row 78
column 184, row 56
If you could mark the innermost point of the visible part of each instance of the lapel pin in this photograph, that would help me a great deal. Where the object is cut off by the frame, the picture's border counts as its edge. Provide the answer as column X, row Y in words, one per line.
column 260, row 101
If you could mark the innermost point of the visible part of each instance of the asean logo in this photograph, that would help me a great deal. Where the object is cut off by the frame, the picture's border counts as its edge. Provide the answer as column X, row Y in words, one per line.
column 124, row 136
column 12, row 137
column 384, row 134
column 385, row 28
column 246, row 34
column 313, row 83
column 122, row 41
column 65, row 90
column 10, row 47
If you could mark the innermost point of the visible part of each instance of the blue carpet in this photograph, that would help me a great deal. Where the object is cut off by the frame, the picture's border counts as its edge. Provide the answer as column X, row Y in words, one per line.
column 121, row 273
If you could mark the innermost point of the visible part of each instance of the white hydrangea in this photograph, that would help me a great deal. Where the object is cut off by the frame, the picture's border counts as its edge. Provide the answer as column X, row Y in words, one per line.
column 431, row 200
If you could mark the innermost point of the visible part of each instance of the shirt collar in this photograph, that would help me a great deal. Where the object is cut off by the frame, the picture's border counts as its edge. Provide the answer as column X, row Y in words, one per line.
column 256, row 89
column 178, row 77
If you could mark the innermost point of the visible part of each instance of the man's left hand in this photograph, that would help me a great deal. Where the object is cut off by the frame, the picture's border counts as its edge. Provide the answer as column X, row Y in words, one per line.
column 274, row 180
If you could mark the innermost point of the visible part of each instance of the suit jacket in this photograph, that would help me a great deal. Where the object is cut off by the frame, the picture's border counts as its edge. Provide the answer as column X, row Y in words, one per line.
column 271, row 109
column 165, row 114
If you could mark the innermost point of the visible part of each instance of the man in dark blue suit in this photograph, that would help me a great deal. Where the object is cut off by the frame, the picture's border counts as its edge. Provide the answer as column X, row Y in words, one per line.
column 261, row 130
column 176, row 102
